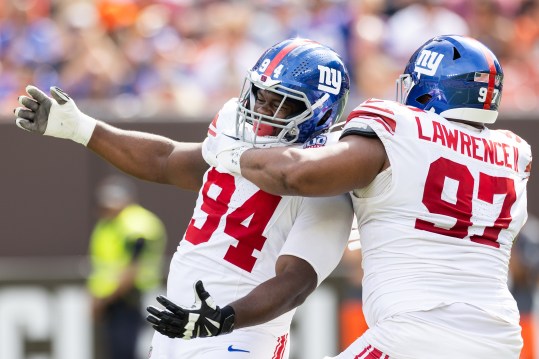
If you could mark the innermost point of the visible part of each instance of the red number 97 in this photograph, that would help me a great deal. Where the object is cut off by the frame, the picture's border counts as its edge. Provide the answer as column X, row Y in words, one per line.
column 462, row 209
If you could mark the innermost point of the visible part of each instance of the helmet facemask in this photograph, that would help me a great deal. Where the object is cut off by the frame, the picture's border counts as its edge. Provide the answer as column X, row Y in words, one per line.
column 404, row 86
column 261, row 129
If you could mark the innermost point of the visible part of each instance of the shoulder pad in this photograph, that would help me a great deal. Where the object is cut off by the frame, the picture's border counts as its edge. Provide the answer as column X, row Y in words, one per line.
column 383, row 112
column 225, row 118
column 382, row 108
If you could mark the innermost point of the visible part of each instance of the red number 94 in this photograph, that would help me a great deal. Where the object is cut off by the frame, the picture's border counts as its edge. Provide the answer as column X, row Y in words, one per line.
column 245, row 223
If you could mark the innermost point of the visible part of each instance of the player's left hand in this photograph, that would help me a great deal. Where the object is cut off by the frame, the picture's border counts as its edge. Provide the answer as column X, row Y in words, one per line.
column 204, row 319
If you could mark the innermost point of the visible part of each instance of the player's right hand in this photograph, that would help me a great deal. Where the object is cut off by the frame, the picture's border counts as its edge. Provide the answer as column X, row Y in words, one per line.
column 57, row 116
column 203, row 319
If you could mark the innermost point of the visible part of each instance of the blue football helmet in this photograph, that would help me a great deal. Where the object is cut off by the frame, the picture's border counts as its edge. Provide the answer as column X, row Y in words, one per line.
column 299, row 70
column 457, row 77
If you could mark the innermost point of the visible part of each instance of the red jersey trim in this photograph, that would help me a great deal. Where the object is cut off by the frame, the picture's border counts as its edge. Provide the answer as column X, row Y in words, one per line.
column 213, row 125
column 371, row 352
column 389, row 124
column 281, row 347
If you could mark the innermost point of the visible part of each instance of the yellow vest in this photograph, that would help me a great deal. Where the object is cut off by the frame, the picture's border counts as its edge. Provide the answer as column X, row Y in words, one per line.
column 111, row 250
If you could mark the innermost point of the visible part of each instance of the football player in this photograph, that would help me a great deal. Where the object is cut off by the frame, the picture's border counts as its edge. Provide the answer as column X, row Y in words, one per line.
column 439, row 199
column 241, row 241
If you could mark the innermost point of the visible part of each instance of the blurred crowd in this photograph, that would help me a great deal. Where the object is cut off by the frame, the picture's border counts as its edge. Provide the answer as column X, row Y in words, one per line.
column 181, row 59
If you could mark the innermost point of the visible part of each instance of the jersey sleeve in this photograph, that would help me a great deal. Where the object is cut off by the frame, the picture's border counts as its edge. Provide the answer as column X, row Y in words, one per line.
column 320, row 233
column 372, row 118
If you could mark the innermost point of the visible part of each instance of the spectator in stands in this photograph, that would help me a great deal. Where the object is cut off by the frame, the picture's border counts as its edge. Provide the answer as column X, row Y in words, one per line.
column 162, row 58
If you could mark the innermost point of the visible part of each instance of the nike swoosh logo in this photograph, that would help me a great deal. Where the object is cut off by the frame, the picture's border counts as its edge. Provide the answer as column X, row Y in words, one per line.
column 232, row 349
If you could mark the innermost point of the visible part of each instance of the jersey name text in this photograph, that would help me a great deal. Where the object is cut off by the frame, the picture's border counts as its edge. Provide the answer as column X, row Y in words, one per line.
column 497, row 153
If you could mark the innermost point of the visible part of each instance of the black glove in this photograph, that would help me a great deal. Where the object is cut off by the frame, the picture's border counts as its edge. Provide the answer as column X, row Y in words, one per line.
column 204, row 319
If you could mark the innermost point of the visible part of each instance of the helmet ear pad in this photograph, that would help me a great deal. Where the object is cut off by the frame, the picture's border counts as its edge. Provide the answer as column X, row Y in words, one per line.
column 424, row 99
column 324, row 119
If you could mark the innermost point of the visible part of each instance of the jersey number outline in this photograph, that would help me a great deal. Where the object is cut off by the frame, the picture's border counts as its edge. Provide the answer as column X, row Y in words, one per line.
column 245, row 224
column 489, row 186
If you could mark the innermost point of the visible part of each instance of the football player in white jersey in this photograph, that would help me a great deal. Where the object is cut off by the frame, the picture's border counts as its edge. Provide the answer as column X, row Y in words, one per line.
column 439, row 199
column 241, row 241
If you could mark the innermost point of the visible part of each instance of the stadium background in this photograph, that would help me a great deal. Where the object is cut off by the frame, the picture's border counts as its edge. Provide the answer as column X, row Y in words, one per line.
column 166, row 67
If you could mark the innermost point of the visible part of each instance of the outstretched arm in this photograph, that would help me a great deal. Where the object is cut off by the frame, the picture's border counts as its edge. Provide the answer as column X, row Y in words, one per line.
column 351, row 163
column 143, row 155
column 150, row 157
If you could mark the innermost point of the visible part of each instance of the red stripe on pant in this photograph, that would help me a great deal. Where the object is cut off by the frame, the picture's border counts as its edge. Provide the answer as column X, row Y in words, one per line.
column 371, row 353
column 280, row 349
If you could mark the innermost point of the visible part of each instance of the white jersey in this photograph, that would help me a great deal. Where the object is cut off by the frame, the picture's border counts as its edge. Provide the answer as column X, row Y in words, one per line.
column 441, row 233
column 237, row 232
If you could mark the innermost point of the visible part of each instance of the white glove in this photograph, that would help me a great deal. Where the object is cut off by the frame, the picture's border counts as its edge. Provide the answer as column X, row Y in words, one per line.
column 224, row 151
column 57, row 116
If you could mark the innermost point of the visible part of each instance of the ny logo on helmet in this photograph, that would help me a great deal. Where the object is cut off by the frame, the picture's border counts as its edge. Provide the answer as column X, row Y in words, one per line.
column 330, row 80
column 427, row 62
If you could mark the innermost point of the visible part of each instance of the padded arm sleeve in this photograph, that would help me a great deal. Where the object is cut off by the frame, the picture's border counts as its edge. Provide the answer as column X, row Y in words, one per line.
column 320, row 233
